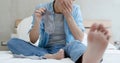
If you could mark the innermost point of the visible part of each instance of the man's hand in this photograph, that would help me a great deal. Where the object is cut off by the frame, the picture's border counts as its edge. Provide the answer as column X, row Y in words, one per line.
column 64, row 6
column 67, row 7
column 38, row 13
column 34, row 32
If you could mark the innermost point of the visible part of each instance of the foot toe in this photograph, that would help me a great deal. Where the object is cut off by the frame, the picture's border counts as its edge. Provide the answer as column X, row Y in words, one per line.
column 94, row 27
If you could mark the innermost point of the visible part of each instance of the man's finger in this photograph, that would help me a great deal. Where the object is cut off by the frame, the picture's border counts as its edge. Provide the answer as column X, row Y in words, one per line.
column 68, row 5
column 40, row 11
column 65, row 7
column 37, row 11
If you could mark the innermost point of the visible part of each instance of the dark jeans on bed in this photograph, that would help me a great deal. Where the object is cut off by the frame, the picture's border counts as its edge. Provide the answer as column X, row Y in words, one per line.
column 74, row 49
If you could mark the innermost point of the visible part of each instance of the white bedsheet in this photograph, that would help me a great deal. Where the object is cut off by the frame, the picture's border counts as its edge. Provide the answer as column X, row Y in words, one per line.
column 110, row 56
column 6, row 57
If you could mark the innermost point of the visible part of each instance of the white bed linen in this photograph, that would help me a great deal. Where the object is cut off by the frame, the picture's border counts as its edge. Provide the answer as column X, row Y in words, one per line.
column 110, row 56
column 6, row 57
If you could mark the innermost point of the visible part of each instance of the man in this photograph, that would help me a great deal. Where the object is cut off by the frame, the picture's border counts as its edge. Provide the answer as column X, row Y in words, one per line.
column 59, row 26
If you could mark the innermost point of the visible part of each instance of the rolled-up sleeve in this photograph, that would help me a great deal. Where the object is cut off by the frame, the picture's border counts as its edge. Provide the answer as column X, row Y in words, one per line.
column 78, row 17
column 33, row 20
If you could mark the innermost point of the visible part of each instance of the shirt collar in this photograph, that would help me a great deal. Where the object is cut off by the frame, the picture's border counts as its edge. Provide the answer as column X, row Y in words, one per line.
column 51, row 9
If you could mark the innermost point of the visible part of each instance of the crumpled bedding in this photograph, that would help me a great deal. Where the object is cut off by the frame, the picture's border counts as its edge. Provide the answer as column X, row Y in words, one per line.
column 7, row 57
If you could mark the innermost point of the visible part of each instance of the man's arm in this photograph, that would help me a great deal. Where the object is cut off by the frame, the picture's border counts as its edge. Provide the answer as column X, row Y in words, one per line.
column 35, row 31
column 75, row 30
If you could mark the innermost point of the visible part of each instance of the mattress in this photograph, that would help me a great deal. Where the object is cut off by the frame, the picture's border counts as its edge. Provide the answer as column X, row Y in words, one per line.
column 7, row 57
column 110, row 56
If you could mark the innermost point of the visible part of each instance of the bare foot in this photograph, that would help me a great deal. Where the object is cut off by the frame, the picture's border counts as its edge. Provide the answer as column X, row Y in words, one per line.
column 59, row 55
column 97, row 42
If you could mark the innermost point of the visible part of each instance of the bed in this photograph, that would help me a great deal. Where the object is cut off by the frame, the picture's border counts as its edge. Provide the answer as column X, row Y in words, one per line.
column 112, row 55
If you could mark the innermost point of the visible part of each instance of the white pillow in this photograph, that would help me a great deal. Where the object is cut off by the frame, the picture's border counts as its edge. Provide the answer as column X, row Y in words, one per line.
column 24, row 28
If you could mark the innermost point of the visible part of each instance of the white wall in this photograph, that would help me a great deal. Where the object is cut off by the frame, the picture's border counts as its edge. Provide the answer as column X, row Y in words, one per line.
column 91, row 9
column 26, row 7
column 103, row 9
column 10, row 10
column 5, row 19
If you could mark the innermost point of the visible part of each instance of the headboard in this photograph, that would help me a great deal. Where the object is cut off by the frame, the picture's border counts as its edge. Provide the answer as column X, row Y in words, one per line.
column 87, row 24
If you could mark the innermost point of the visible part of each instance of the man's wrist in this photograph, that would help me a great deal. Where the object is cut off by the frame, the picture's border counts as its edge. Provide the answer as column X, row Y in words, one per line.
column 37, row 19
column 67, row 15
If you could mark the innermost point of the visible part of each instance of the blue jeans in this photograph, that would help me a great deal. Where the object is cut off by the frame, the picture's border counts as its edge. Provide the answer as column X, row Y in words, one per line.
column 74, row 49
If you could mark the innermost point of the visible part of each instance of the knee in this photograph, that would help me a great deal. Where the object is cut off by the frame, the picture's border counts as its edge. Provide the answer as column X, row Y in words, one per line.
column 12, row 42
column 76, row 45
column 75, row 49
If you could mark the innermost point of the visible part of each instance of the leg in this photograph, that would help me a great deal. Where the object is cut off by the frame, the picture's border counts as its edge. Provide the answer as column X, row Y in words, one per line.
column 18, row 46
column 75, row 50
column 97, row 42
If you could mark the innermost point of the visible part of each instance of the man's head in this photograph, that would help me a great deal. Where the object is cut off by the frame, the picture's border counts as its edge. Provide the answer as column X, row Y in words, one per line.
column 59, row 5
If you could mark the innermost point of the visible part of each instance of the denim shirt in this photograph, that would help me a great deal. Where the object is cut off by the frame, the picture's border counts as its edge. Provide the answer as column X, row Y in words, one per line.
column 44, row 36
